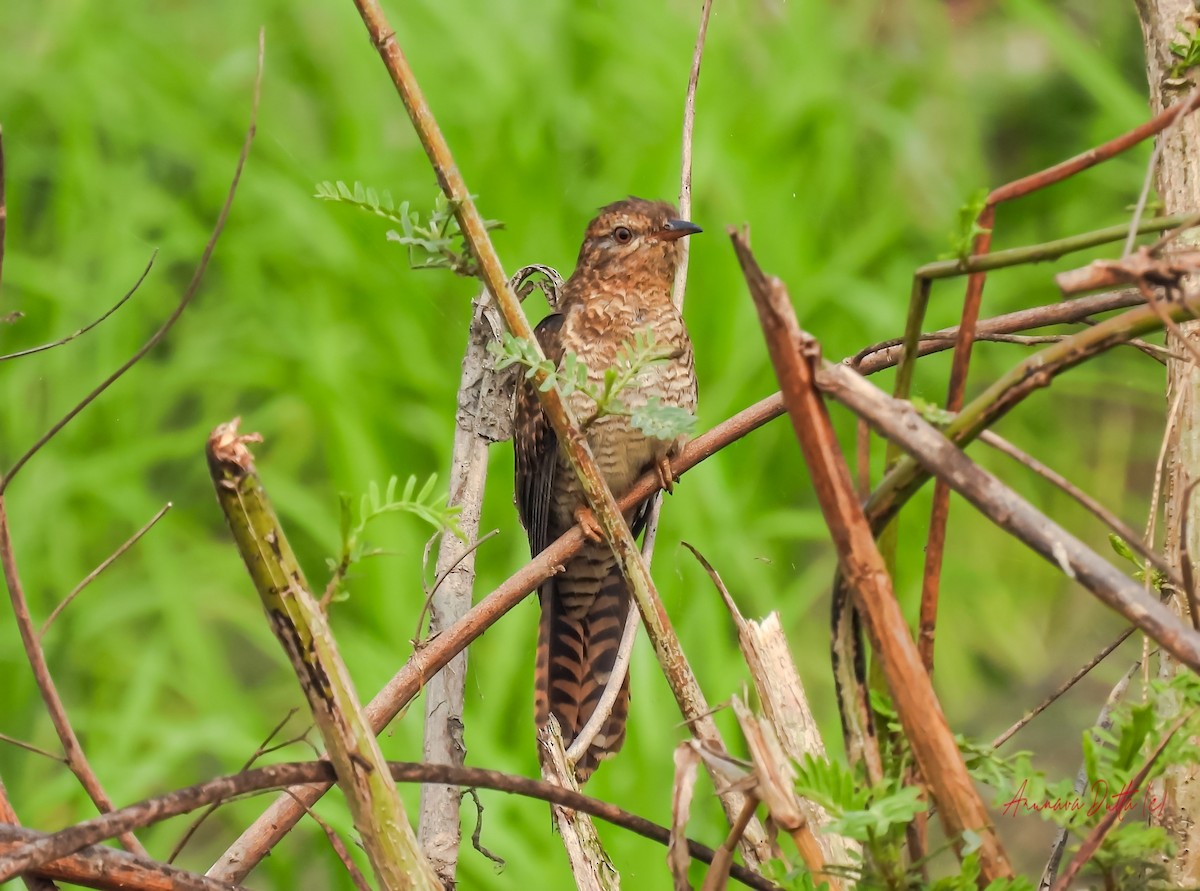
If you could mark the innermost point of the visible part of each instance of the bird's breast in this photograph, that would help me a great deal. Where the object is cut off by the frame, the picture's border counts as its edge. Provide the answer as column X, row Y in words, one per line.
column 596, row 333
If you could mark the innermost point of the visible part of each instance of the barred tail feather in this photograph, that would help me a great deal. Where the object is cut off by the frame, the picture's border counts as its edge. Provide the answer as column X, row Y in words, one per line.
column 575, row 657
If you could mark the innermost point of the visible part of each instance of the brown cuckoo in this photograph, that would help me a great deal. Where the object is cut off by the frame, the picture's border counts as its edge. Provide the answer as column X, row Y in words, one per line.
column 621, row 287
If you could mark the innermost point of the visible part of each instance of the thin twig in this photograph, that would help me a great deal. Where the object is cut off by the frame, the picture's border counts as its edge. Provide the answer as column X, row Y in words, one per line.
column 86, row 328
column 188, row 293
column 1104, row 722
column 258, row 753
column 477, row 834
column 108, row 561
column 30, row 747
column 886, row 354
column 339, row 848
column 1062, row 688
column 76, row 759
column 299, row 774
column 1102, row 513
column 685, row 167
column 599, row 498
column 1184, row 108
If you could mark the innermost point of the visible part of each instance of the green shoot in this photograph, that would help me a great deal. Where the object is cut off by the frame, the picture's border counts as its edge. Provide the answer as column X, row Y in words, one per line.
column 428, row 504
column 433, row 243
column 664, row 422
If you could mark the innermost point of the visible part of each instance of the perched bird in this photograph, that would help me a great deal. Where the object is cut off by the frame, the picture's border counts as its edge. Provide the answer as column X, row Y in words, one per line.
column 621, row 287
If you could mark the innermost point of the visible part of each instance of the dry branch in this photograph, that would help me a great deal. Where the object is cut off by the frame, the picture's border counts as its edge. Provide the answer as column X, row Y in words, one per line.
column 480, row 411
column 283, row 814
column 96, row 866
column 42, row 849
column 574, row 444
column 304, row 633
column 795, row 357
column 939, row 456
column 242, row 856
column 935, row 545
column 590, row 864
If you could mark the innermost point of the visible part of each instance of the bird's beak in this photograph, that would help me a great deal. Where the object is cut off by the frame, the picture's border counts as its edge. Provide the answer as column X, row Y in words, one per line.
column 675, row 229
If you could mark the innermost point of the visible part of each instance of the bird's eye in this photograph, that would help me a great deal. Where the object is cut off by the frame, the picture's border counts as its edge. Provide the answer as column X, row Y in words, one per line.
column 622, row 235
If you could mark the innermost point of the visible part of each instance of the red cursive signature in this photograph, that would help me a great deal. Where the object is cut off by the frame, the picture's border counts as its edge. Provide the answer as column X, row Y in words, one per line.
column 1122, row 801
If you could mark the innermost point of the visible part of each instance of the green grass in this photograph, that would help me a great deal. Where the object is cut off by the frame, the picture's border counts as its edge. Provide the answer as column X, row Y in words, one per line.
column 846, row 135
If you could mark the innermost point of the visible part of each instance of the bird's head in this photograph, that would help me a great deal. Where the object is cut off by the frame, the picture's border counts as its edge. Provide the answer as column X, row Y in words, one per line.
column 634, row 237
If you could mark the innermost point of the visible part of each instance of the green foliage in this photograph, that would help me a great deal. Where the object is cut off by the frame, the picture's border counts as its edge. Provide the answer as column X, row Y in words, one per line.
column 962, row 240
column 433, row 243
column 348, row 361
column 632, row 358
column 1186, row 53
column 932, row 412
column 1122, row 548
column 429, row 504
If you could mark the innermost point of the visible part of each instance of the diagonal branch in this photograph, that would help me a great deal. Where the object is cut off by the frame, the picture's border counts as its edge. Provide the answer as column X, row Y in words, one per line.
column 97, row 866
column 41, row 849
column 303, row 631
column 599, row 498
column 796, row 358
column 939, row 456
column 283, row 814
column 940, row 511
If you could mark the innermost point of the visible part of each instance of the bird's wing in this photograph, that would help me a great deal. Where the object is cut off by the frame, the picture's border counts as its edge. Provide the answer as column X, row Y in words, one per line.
column 536, row 446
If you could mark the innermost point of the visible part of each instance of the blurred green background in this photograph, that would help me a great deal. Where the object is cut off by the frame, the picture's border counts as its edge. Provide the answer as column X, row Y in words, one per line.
column 846, row 134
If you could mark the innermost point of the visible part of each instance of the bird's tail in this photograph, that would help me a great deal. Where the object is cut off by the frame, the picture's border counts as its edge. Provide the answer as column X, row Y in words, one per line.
column 578, row 639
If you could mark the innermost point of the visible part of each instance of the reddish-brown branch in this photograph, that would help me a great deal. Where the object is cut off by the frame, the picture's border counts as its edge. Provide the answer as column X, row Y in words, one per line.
column 76, row 759
column 284, row 813
column 794, row 353
column 33, row 881
column 107, row 869
column 985, row 222
column 44, row 848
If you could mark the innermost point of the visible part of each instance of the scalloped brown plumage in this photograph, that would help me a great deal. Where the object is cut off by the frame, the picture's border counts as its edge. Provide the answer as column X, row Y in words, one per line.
column 621, row 286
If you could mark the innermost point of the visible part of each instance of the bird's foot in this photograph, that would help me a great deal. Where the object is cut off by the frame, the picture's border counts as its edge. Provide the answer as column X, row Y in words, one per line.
column 666, row 475
column 587, row 523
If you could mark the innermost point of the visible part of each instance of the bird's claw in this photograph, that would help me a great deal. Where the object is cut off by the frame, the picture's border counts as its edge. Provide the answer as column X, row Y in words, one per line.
column 588, row 525
column 666, row 476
